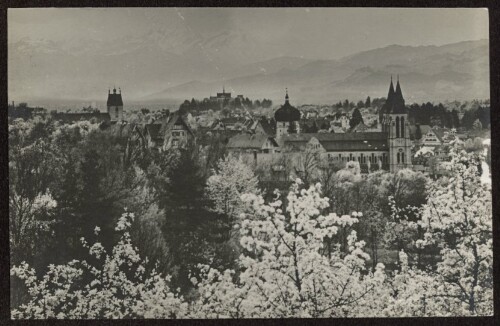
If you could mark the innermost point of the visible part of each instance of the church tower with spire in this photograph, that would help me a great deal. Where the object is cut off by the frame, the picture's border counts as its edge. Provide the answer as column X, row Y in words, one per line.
column 395, row 123
column 115, row 105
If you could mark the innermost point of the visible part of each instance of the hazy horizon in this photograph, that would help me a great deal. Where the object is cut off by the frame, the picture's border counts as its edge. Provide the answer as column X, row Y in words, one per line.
column 148, row 50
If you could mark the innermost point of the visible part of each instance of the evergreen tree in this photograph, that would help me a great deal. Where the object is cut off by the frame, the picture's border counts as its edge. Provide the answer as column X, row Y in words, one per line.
column 356, row 118
column 191, row 228
column 368, row 102
column 418, row 132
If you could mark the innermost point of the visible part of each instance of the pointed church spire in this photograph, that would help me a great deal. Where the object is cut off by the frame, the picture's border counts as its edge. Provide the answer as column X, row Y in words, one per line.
column 391, row 91
column 399, row 94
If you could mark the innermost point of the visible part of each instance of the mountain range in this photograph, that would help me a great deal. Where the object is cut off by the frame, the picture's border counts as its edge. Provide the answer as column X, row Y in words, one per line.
column 172, row 65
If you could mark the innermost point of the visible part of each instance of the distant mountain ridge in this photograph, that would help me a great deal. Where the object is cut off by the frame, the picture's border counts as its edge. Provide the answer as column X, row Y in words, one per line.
column 427, row 73
column 164, row 67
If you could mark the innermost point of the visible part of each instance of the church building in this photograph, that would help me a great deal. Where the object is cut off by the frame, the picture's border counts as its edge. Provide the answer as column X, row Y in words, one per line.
column 389, row 149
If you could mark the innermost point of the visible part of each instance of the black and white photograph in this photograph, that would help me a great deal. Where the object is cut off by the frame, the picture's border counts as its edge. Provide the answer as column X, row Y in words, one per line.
column 242, row 163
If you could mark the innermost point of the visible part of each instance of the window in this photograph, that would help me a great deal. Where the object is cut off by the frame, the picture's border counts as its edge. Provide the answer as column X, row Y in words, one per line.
column 402, row 127
column 397, row 127
column 403, row 158
column 399, row 158
column 350, row 156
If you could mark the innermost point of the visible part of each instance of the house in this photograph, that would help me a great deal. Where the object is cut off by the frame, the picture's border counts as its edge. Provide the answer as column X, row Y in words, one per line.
column 171, row 132
column 262, row 126
column 252, row 143
column 425, row 135
column 176, row 132
column 231, row 124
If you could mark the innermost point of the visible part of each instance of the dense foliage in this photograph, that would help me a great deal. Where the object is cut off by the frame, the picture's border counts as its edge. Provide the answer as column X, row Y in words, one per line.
column 102, row 229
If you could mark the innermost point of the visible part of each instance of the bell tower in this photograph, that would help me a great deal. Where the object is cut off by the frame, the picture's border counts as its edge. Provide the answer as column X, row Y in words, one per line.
column 115, row 105
column 396, row 125
column 287, row 119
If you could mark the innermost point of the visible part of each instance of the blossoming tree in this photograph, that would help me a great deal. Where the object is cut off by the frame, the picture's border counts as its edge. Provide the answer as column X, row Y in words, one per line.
column 114, row 285
column 230, row 180
column 458, row 218
column 283, row 273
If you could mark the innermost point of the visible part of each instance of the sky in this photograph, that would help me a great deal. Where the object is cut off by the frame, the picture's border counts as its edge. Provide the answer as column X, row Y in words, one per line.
column 315, row 33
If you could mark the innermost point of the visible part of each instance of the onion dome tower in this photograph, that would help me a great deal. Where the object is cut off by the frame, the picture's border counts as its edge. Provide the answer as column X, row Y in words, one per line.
column 287, row 119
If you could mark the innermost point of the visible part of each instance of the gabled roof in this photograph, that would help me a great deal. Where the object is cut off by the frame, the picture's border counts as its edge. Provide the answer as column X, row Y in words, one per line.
column 359, row 141
column 439, row 132
column 358, row 136
column 249, row 141
column 267, row 126
column 174, row 119
column 228, row 123
column 360, row 127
